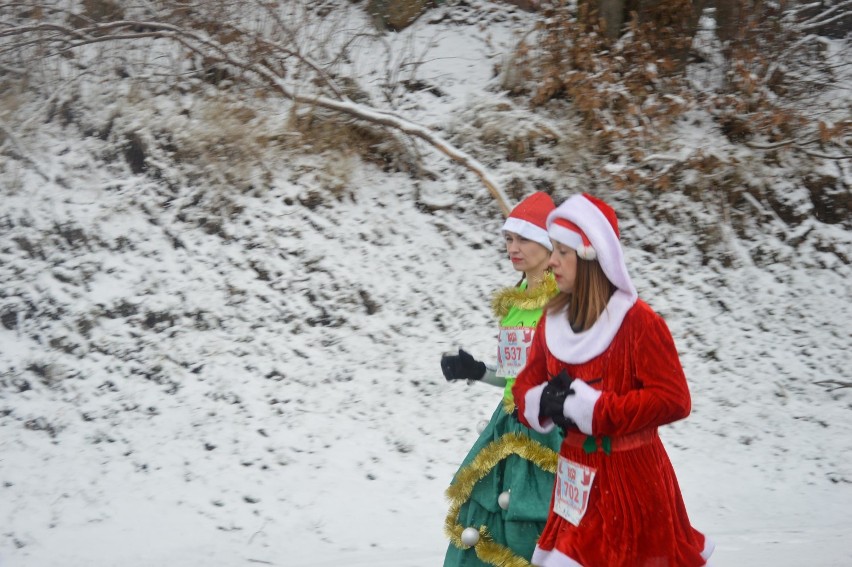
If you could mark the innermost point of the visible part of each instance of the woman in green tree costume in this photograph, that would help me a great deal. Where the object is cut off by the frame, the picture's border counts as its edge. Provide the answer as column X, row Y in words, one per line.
column 500, row 496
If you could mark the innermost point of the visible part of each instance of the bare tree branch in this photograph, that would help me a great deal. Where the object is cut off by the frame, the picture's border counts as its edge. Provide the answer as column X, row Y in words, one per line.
column 819, row 20
column 797, row 145
column 833, row 384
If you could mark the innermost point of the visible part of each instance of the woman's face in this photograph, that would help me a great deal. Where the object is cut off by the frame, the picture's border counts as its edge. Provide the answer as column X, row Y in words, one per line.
column 527, row 256
column 563, row 262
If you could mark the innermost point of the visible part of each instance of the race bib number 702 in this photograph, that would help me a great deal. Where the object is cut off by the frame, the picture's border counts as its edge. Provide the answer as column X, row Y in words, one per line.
column 573, row 486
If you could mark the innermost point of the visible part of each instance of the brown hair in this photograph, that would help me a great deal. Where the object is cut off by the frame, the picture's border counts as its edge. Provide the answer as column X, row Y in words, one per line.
column 592, row 291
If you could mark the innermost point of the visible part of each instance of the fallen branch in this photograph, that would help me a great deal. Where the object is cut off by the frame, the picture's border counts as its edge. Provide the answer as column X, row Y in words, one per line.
column 216, row 52
column 797, row 146
column 833, row 384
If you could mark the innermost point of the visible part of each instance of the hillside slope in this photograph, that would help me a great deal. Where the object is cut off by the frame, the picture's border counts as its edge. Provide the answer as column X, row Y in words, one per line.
column 201, row 373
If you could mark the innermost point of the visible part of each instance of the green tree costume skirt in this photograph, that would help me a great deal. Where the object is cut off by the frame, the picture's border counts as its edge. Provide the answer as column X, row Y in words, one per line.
column 508, row 456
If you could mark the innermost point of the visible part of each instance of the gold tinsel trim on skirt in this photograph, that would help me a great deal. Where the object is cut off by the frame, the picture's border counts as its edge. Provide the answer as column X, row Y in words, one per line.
column 459, row 492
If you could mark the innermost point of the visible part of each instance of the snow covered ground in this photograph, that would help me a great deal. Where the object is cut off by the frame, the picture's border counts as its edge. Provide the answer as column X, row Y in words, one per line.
column 200, row 377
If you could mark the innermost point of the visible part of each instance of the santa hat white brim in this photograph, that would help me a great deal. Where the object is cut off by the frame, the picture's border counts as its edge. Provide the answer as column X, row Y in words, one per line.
column 528, row 230
column 571, row 239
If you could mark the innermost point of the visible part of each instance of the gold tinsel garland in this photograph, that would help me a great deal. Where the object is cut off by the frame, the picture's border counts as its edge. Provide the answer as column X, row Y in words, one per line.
column 525, row 299
column 459, row 492
column 508, row 405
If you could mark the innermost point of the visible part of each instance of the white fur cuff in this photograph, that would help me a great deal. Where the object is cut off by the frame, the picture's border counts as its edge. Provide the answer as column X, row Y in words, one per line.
column 532, row 406
column 580, row 408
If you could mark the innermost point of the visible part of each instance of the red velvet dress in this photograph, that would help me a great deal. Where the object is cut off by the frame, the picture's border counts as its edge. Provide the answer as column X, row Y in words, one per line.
column 635, row 516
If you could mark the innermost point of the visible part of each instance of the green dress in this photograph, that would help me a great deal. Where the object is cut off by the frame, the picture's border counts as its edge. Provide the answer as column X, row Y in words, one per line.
column 507, row 459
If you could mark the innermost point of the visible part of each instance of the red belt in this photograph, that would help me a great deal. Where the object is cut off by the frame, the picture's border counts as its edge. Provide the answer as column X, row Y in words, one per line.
column 605, row 443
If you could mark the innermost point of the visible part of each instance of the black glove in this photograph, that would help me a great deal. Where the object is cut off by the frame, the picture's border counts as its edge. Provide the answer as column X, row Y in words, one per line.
column 462, row 366
column 553, row 399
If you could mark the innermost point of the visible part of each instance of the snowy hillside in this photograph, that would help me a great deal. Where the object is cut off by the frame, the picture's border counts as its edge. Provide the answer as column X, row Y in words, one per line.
column 195, row 371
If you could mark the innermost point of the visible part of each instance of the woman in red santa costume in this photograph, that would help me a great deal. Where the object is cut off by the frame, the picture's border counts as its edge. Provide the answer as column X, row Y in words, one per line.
column 604, row 367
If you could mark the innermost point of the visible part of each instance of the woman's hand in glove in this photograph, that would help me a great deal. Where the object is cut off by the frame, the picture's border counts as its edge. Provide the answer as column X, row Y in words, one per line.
column 553, row 399
column 462, row 366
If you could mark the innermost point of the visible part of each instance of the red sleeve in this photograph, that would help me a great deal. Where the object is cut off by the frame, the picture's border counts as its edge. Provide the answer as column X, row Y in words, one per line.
column 662, row 395
column 534, row 372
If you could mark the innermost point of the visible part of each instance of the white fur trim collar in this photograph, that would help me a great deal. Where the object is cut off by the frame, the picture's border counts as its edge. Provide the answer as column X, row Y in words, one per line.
column 576, row 348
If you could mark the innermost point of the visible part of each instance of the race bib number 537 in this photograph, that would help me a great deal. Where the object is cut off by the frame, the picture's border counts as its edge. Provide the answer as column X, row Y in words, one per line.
column 513, row 347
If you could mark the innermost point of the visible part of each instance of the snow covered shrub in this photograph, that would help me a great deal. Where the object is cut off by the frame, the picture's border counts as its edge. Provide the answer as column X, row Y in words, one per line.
column 766, row 72
column 262, row 77
column 776, row 77
column 317, row 130
column 501, row 127
column 97, row 11
column 627, row 91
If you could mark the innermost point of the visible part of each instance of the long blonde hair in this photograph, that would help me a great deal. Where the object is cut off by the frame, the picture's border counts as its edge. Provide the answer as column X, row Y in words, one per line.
column 589, row 298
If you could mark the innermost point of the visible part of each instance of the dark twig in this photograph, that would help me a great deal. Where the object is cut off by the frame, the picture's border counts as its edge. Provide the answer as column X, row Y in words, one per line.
column 833, row 384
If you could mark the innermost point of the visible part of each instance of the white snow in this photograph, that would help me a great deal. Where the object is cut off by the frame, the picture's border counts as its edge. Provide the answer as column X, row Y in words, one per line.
column 198, row 375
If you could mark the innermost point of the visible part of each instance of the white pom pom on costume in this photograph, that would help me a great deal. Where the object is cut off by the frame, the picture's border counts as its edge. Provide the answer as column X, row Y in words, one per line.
column 503, row 500
column 480, row 427
column 586, row 252
column 470, row 536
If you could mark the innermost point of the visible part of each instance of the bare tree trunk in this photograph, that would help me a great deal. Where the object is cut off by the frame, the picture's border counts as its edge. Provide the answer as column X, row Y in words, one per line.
column 675, row 20
column 729, row 18
column 610, row 14
column 396, row 14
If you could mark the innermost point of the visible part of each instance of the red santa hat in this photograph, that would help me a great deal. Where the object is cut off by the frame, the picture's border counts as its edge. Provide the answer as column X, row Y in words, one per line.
column 590, row 226
column 529, row 218
column 562, row 230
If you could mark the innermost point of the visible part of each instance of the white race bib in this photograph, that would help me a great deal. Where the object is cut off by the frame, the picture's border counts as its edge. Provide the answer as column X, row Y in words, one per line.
column 514, row 345
column 573, row 486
